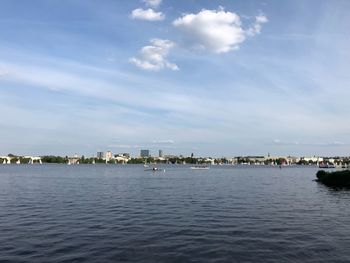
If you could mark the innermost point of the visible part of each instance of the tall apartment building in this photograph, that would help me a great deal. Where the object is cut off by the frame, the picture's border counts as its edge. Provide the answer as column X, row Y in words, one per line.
column 145, row 153
column 100, row 155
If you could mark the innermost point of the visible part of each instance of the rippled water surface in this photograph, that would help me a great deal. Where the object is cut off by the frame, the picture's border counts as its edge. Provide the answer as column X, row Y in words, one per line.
column 111, row 213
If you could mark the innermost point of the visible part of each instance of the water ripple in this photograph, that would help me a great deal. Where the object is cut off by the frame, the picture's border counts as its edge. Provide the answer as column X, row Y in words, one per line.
column 55, row 213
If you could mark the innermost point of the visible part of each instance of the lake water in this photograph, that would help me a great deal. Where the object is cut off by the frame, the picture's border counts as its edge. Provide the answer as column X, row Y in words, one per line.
column 115, row 213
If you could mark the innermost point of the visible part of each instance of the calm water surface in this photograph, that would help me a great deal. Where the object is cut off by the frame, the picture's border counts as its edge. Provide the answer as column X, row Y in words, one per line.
column 110, row 213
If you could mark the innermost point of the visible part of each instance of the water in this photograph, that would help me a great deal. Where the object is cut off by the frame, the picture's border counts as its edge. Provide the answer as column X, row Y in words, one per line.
column 111, row 213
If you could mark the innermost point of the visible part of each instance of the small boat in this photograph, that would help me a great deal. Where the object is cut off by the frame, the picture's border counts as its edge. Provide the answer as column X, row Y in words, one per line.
column 200, row 167
column 155, row 169
column 326, row 165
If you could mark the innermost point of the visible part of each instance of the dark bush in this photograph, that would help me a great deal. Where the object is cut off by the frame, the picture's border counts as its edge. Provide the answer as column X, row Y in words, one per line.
column 336, row 179
column 321, row 174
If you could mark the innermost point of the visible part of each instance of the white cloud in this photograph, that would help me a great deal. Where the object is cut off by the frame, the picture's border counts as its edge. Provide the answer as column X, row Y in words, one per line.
column 125, row 146
column 153, row 3
column 147, row 14
column 217, row 31
column 212, row 30
column 321, row 144
column 163, row 141
column 256, row 28
column 153, row 57
column 3, row 72
column 261, row 19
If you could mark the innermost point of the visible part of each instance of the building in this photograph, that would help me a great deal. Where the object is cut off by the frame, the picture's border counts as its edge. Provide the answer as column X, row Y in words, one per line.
column 312, row 159
column 100, row 155
column 122, row 159
column 127, row 155
column 160, row 154
column 109, row 155
column 145, row 153
column 74, row 160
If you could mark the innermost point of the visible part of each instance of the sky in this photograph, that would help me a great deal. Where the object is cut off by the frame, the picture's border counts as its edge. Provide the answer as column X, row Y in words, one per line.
column 209, row 77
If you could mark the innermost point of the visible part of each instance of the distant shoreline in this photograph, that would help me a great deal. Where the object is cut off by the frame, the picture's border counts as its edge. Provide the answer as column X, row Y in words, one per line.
column 337, row 162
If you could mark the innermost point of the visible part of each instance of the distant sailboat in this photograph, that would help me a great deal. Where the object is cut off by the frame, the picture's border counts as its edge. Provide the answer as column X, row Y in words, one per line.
column 155, row 169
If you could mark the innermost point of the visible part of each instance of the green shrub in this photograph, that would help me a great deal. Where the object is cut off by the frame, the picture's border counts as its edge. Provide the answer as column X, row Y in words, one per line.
column 336, row 179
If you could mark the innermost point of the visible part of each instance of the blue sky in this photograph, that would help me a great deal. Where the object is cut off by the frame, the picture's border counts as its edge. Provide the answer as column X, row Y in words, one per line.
column 209, row 77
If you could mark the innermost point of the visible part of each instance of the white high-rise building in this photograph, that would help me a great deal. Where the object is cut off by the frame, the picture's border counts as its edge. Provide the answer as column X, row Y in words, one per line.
column 109, row 155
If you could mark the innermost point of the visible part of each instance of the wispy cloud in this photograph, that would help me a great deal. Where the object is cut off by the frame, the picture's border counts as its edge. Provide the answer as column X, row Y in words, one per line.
column 154, row 57
column 174, row 107
column 147, row 14
column 102, row 85
column 126, row 146
column 163, row 141
column 320, row 144
column 3, row 72
column 256, row 28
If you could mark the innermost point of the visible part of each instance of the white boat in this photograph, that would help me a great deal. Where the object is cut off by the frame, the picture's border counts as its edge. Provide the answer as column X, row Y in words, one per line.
column 200, row 167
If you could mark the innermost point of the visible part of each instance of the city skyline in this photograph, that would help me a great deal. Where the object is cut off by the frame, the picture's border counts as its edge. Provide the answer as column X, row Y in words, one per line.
column 210, row 77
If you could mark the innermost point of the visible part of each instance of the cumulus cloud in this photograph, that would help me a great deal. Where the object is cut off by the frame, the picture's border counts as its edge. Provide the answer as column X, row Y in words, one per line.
column 213, row 30
column 256, row 28
column 153, row 3
column 153, row 57
column 217, row 31
column 147, row 14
